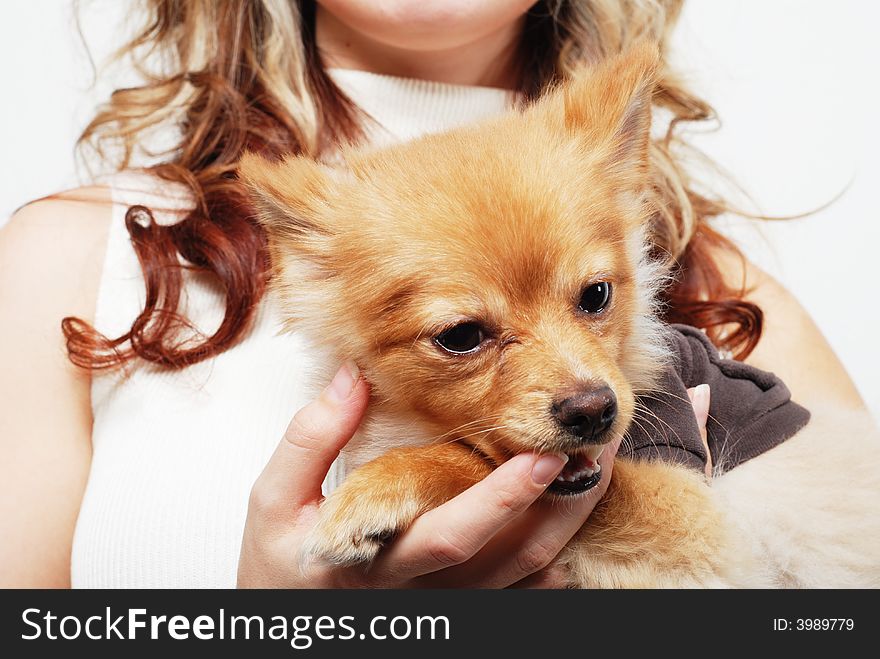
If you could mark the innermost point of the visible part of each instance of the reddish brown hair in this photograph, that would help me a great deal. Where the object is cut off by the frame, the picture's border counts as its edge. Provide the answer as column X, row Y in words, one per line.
column 233, row 102
column 230, row 111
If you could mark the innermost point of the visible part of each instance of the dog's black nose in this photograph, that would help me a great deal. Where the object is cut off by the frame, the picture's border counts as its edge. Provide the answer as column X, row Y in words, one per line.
column 587, row 414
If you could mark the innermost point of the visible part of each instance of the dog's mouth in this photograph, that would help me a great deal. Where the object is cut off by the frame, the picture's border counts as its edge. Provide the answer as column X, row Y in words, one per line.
column 581, row 473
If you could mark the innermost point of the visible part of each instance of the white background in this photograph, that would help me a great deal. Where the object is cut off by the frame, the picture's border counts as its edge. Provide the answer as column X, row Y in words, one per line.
column 794, row 81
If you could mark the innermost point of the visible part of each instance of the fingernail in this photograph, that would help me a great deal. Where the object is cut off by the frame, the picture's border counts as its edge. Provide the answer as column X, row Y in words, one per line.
column 701, row 393
column 343, row 382
column 547, row 467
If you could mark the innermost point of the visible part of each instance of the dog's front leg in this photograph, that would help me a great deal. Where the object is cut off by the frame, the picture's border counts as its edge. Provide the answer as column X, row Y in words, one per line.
column 383, row 497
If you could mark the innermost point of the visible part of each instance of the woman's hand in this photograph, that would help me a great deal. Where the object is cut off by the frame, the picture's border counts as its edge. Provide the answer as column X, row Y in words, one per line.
column 494, row 534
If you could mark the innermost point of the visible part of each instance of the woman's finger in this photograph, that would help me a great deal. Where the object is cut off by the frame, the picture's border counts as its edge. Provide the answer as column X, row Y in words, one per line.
column 700, row 398
column 292, row 478
column 532, row 541
column 454, row 532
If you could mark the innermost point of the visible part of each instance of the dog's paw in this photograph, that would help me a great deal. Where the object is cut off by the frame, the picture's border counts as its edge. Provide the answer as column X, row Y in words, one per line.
column 356, row 521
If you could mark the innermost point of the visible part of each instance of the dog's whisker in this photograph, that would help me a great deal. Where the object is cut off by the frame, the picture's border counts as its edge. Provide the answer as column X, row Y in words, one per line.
column 657, row 431
column 720, row 453
column 661, row 430
column 666, row 424
column 646, row 393
column 646, row 419
column 473, row 434
column 480, row 432
column 464, row 426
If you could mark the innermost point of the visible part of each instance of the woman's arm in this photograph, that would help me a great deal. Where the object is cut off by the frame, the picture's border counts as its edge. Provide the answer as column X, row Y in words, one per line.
column 792, row 346
column 51, row 254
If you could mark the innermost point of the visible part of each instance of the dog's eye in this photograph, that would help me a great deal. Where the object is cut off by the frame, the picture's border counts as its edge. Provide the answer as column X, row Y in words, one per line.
column 464, row 337
column 595, row 297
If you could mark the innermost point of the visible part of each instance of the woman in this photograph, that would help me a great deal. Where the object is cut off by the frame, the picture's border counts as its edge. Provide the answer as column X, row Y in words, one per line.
column 129, row 455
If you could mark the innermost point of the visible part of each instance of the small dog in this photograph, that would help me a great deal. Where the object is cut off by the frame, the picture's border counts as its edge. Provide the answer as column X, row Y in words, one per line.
column 494, row 285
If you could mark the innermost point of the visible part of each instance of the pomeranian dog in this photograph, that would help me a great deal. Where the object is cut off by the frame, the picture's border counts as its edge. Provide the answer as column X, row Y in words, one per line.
column 493, row 283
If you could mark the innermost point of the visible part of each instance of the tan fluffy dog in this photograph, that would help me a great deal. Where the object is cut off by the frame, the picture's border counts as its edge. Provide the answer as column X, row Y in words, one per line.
column 494, row 286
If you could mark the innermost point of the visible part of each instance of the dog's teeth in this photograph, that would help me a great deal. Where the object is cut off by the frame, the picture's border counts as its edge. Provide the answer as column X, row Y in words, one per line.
column 598, row 468
column 579, row 475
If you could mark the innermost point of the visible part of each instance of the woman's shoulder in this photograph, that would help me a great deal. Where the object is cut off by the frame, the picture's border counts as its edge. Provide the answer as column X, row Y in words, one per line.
column 792, row 346
column 84, row 208
column 52, row 249
column 56, row 247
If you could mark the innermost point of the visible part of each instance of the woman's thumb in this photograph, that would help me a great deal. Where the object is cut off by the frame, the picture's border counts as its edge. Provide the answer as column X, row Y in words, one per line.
column 292, row 478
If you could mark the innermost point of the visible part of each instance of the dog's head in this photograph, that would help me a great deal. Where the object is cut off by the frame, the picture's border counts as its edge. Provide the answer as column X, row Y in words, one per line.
column 492, row 281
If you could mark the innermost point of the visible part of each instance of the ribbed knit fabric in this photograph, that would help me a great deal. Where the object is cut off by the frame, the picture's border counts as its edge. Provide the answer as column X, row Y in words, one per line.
column 175, row 453
column 405, row 108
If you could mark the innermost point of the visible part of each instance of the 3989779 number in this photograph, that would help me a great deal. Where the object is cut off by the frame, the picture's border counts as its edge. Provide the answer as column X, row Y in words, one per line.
column 814, row 624
column 824, row 624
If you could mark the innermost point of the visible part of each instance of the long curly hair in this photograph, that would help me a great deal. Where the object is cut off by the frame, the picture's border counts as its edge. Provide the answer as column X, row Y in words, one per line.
column 246, row 75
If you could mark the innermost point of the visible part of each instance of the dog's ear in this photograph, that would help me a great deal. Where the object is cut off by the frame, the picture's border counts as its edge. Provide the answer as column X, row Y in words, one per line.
column 288, row 197
column 610, row 106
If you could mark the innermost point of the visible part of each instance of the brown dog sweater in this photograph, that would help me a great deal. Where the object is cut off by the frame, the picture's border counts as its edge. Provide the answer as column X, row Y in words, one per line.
column 750, row 411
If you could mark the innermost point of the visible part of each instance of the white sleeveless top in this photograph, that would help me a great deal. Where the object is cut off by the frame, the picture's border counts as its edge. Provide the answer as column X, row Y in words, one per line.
column 175, row 453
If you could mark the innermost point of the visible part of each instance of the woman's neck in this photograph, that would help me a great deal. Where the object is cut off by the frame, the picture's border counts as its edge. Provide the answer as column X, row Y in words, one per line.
column 488, row 61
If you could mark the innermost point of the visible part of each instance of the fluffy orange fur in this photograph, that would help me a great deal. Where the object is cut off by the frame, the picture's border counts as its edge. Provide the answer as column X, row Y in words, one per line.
column 503, row 224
